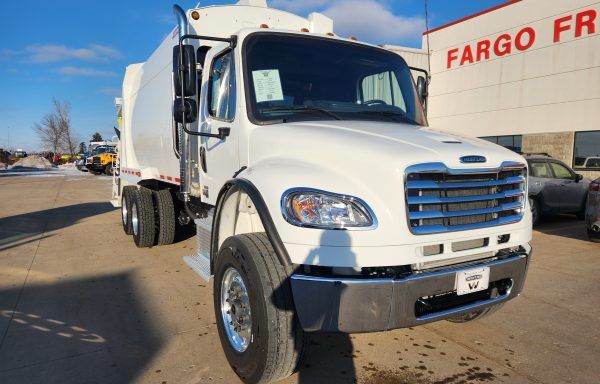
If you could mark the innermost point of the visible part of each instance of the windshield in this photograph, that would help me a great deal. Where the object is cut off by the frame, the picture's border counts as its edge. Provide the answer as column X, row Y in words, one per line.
column 297, row 78
column 100, row 150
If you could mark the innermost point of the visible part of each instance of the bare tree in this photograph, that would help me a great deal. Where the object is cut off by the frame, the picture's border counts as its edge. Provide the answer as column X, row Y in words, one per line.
column 55, row 129
column 49, row 131
column 69, row 140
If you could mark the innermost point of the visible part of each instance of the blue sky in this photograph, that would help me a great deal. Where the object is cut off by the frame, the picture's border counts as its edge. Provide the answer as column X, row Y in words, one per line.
column 77, row 51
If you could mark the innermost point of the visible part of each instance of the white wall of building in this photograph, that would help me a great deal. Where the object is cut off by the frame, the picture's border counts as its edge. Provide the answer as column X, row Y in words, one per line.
column 549, row 86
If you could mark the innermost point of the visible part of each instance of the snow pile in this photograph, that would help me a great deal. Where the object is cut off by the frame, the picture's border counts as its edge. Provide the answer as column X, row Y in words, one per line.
column 32, row 162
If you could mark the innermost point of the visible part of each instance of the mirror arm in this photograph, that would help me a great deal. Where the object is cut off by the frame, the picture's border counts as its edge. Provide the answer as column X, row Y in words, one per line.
column 223, row 133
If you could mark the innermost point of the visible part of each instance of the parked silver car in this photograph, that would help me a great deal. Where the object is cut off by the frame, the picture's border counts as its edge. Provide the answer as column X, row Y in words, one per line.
column 555, row 188
column 592, row 212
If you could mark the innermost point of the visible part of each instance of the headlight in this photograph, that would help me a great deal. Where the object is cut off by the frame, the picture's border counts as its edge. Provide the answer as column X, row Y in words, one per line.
column 319, row 209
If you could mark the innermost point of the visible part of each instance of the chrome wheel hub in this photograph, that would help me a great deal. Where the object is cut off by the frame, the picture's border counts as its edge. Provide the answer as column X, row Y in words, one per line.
column 235, row 310
column 134, row 219
column 124, row 211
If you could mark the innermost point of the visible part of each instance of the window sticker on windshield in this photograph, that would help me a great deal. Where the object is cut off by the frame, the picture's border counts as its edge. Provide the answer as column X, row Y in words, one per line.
column 267, row 85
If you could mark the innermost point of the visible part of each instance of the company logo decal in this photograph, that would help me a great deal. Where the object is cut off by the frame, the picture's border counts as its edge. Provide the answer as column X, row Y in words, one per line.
column 473, row 159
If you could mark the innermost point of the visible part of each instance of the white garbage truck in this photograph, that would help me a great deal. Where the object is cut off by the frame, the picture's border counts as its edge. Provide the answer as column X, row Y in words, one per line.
column 321, row 199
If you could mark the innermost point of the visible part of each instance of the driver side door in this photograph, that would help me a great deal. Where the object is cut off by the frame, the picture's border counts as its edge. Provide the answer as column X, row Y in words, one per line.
column 571, row 193
column 219, row 158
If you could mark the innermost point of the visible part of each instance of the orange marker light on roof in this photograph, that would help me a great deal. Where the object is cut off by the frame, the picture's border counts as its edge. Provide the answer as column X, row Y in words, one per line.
column 353, row 38
column 304, row 30
column 330, row 34
column 195, row 15
column 264, row 26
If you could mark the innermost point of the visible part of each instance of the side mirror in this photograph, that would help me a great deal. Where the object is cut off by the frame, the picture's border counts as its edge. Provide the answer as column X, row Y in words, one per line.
column 578, row 177
column 185, row 106
column 189, row 65
column 422, row 88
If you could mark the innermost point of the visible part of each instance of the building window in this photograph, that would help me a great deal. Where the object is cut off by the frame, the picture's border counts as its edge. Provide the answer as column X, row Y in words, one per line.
column 512, row 142
column 586, row 154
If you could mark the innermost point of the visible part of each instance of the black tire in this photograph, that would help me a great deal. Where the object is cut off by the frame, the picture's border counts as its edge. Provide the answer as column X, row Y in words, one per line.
column 142, row 207
column 475, row 315
column 109, row 170
column 126, row 200
column 277, row 343
column 593, row 236
column 535, row 211
column 165, row 217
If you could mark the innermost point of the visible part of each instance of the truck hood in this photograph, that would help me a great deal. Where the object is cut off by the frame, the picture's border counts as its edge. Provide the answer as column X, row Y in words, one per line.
column 367, row 160
column 342, row 143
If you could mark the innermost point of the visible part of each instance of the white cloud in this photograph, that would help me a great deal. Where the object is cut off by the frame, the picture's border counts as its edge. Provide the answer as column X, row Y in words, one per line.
column 369, row 20
column 110, row 91
column 88, row 72
column 106, row 51
column 48, row 53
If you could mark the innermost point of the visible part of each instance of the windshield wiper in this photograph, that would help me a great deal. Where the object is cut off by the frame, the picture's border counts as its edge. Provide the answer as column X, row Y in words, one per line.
column 302, row 109
column 392, row 115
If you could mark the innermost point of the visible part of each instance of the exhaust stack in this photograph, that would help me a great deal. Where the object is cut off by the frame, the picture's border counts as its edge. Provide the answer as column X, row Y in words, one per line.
column 183, row 138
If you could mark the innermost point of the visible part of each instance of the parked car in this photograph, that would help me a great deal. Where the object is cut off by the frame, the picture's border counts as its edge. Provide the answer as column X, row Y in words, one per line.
column 591, row 162
column 555, row 188
column 592, row 212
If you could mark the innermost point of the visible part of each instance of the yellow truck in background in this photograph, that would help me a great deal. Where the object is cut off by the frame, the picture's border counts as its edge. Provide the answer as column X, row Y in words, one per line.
column 102, row 160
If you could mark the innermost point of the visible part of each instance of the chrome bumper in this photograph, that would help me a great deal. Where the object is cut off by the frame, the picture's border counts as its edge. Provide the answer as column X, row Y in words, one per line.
column 353, row 305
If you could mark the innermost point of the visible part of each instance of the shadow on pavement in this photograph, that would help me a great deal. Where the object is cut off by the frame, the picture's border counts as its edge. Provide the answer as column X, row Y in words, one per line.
column 568, row 226
column 93, row 330
column 22, row 228
column 329, row 356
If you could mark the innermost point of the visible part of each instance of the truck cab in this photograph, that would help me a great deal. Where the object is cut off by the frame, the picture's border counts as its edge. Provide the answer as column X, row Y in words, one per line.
column 321, row 198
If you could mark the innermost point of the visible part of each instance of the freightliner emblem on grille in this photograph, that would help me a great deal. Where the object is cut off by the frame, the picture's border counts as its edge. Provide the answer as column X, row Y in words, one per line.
column 473, row 159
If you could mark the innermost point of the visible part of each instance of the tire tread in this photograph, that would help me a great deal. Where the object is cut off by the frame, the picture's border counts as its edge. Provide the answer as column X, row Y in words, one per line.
column 165, row 217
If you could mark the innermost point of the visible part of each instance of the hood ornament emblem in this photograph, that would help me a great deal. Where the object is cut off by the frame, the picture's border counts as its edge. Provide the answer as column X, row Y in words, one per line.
column 473, row 159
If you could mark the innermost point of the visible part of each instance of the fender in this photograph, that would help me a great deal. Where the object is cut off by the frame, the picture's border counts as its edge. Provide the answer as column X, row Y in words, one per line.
column 233, row 186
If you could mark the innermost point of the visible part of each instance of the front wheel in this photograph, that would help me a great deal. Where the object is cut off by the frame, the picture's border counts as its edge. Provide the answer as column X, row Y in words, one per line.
column 259, row 331
column 535, row 211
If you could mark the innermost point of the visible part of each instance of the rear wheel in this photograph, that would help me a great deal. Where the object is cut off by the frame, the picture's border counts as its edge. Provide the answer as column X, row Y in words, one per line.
column 259, row 331
column 142, row 217
column 126, row 199
column 165, row 217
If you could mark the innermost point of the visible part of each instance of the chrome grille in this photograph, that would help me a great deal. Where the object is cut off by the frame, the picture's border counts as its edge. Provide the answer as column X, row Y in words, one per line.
column 440, row 199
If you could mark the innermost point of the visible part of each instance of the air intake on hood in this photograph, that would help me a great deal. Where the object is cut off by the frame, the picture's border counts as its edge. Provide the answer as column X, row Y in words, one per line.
column 440, row 199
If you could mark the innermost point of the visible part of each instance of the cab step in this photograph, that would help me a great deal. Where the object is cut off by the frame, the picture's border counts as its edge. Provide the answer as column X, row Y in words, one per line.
column 200, row 263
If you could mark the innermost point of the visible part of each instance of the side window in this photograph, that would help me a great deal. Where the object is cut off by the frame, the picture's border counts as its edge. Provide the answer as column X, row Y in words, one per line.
column 561, row 172
column 540, row 169
column 382, row 87
column 221, row 93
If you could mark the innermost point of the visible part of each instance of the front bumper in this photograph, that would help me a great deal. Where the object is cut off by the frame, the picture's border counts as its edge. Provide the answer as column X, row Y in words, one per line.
column 95, row 167
column 352, row 305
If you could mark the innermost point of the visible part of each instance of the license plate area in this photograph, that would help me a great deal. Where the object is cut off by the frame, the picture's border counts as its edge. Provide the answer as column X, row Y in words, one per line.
column 472, row 280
